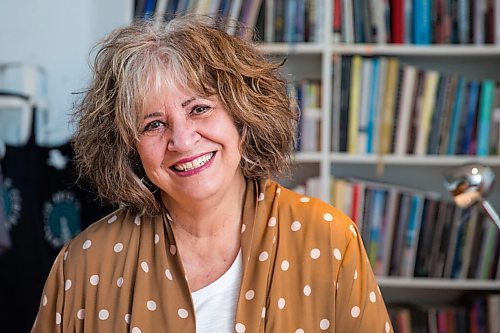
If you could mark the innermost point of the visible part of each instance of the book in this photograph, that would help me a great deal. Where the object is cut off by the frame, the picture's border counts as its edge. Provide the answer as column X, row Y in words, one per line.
column 379, row 103
column 160, row 11
column 336, row 21
column 444, row 130
column 376, row 221
column 248, row 16
column 364, row 108
column 395, row 268
column 437, row 115
column 412, row 235
column 388, row 108
column 426, row 110
column 428, row 225
column 422, row 29
column 469, row 119
column 456, row 116
column 354, row 103
column 269, row 21
column 344, row 102
column 347, row 21
column 405, row 105
column 484, row 118
column 479, row 13
column 464, row 20
column 384, row 260
column 233, row 16
column 336, row 98
column 372, row 107
column 398, row 24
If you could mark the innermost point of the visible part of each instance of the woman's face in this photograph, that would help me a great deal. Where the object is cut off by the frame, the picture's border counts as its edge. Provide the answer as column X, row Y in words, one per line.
column 189, row 145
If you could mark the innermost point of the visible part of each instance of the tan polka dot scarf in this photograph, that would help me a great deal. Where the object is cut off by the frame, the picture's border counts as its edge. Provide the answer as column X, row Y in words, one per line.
column 304, row 270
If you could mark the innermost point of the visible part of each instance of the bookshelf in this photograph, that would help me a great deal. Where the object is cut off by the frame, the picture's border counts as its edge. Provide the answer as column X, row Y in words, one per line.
column 422, row 172
column 315, row 60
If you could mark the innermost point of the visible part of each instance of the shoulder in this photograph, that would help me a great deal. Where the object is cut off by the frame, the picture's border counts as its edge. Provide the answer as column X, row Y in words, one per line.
column 313, row 213
column 101, row 236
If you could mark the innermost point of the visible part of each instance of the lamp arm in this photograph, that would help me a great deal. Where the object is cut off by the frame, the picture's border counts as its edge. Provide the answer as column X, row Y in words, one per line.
column 491, row 212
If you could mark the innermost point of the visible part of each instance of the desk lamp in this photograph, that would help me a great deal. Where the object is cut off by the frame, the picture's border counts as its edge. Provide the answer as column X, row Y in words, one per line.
column 470, row 184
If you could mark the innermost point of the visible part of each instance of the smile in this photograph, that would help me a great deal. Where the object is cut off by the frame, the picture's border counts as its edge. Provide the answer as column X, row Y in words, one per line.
column 196, row 163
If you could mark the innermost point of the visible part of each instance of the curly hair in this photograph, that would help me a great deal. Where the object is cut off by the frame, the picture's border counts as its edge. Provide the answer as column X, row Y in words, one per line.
column 198, row 53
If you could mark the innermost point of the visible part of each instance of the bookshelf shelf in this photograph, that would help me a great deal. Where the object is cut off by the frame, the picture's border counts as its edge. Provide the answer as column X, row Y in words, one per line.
column 418, row 50
column 434, row 283
column 306, row 157
column 292, row 48
column 402, row 160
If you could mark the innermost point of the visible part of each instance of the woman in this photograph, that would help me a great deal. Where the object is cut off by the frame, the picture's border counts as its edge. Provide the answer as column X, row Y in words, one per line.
column 183, row 126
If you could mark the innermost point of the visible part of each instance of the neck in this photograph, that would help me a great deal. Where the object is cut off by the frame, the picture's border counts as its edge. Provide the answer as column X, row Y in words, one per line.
column 211, row 217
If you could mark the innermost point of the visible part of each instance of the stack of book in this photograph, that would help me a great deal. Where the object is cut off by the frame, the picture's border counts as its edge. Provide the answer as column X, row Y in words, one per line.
column 411, row 233
column 474, row 315
column 307, row 93
column 416, row 22
column 383, row 106
column 244, row 11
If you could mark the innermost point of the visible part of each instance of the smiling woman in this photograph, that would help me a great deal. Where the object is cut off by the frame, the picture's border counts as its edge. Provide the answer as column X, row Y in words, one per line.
column 184, row 126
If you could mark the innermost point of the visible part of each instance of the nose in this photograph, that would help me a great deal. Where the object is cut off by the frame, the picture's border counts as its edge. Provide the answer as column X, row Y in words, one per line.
column 183, row 136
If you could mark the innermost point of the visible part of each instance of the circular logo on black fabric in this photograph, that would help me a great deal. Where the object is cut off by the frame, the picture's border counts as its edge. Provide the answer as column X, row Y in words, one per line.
column 61, row 218
column 12, row 203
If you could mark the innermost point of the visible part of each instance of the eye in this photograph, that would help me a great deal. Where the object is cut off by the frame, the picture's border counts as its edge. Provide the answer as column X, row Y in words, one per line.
column 153, row 126
column 200, row 109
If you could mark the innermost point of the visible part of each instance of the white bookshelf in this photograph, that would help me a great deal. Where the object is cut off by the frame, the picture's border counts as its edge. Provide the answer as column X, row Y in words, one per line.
column 314, row 60
column 421, row 172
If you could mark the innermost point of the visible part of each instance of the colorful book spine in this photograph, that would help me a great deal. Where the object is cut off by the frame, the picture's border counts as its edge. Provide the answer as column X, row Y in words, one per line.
column 456, row 116
column 422, row 28
column 372, row 112
column 354, row 104
column 484, row 119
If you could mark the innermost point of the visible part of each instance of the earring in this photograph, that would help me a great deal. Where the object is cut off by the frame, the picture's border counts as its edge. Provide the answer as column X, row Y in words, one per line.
column 150, row 186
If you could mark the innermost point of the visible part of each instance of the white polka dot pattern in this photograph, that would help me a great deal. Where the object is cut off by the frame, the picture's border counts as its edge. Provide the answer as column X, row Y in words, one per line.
column 315, row 253
column 151, row 305
column 118, row 247
column 87, row 244
column 67, row 285
column 355, row 311
column 94, row 280
column 281, row 303
column 313, row 246
column 324, row 324
column 249, row 295
column 182, row 313
column 307, row 290
column 103, row 314
column 80, row 314
column 240, row 328
column 145, row 266
column 296, row 226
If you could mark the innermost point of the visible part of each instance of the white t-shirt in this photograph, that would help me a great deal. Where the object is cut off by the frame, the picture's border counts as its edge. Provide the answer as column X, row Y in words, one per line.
column 215, row 304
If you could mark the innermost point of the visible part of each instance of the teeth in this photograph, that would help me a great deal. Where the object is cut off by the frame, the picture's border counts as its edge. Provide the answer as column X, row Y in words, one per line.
column 194, row 163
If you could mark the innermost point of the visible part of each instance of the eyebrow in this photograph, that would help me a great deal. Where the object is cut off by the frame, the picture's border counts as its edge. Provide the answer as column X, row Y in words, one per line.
column 188, row 101
column 158, row 114
column 153, row 115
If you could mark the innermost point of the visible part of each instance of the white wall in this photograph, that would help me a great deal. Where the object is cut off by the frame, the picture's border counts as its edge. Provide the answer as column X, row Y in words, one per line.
column 58, row 35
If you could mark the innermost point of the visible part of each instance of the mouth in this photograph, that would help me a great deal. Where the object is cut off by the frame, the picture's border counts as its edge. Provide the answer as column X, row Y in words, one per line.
column 196, row 163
